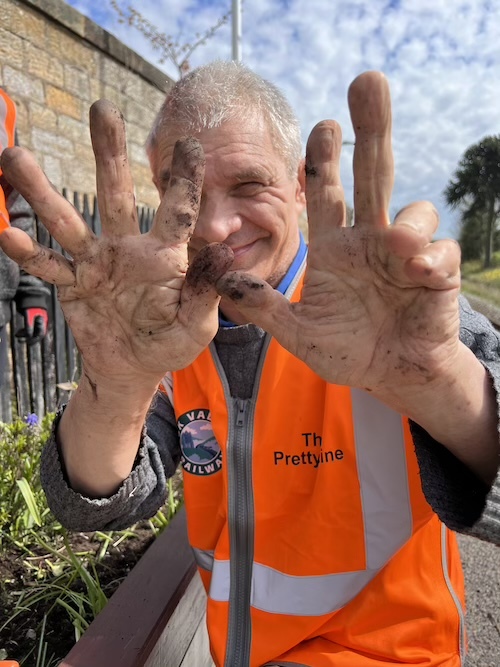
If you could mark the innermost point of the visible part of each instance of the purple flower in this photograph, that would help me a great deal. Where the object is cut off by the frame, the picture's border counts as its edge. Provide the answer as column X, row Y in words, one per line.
column 31, row 419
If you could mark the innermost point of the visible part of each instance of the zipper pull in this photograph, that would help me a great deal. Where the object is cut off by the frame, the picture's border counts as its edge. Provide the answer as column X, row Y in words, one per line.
column 242, row 408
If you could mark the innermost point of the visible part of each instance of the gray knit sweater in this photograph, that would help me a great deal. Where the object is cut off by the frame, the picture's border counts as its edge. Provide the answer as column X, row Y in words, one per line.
column 462, row 501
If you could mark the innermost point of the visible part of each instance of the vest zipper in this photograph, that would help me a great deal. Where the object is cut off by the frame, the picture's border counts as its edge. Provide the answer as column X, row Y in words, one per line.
column 241, row 517
column 241, row 520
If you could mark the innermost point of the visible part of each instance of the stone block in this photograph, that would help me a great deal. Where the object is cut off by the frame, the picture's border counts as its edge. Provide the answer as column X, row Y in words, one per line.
column 74, row 130
column 43, row 65
column 8, row 9
column 139, row 114
column 71, row 50
column 53, row 171
column 63, row 13
column 51, row 143
column 42, row 117
column 78, row 177
column 39, row 155
column 63, row 102
column 24, row 85
column 137, row 133
column 145, row 190
column 113, row 74
column 137, row 154
column 11, row 49
column 113, row 95
column 24, row 22
column 85, row 154
column 84, row 158
column 135, row 87
column 77, row 82
column 96, row 90
column 23, row 121
column 153, row 99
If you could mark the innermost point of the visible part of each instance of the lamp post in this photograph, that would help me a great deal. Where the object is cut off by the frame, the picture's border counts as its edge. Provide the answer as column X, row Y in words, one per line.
column 236, row 15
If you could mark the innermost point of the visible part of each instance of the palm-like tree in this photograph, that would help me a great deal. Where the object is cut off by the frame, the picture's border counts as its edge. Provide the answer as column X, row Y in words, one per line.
column 475, row 188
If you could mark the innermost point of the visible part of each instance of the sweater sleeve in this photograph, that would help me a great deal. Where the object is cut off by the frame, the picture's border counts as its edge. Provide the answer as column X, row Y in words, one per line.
column 139, row 496
column 461, row 500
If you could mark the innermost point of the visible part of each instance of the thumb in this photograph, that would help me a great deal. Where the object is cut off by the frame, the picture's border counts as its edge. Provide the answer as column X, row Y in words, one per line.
column 259, row 303
column 199, row 297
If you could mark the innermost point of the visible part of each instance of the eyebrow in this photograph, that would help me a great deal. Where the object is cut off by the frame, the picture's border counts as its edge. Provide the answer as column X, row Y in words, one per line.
column 253, row 174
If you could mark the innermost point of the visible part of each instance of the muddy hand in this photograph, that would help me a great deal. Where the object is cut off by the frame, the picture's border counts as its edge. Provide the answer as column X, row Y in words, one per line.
column 379, row 302
column 133, row 306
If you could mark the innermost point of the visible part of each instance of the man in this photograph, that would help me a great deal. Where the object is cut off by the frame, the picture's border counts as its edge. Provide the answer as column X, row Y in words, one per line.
column 29, row 293
column 302, row 487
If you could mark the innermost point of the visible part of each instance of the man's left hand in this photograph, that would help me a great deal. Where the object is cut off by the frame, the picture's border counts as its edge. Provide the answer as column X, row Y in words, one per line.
column 379, row 304
column 379, row 308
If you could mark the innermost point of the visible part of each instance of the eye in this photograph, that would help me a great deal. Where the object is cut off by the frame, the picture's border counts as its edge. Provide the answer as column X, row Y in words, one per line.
column 249, row 189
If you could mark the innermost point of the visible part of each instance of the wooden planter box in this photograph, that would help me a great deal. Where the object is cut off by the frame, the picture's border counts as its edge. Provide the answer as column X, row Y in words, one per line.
column 156, row 618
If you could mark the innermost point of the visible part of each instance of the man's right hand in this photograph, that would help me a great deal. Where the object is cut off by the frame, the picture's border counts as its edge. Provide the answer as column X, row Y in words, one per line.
column 134, row 308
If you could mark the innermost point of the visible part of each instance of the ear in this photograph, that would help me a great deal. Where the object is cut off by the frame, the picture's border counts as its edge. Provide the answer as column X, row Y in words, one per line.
column 159, row 186
column 300, row 193
column 153, row 165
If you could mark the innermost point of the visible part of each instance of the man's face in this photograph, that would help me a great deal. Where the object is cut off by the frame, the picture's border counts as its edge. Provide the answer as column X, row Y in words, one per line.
column 249, row 201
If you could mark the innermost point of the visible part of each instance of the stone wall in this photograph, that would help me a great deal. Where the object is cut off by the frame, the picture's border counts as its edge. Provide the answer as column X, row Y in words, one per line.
column 54, row 62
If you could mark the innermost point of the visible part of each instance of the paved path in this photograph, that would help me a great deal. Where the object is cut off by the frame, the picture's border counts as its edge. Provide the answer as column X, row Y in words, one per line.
column 481, row 563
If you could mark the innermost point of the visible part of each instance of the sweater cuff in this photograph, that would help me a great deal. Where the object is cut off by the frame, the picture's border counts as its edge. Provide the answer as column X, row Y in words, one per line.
column 488, row 525
column 80, row 513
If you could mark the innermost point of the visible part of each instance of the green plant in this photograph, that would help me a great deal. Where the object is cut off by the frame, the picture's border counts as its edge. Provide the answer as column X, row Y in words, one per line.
column 475, row 190
column 22, row 501
column 57, row 576
column 173, row 503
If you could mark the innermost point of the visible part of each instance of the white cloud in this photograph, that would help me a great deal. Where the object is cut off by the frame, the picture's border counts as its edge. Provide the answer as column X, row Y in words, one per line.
column 441, row 59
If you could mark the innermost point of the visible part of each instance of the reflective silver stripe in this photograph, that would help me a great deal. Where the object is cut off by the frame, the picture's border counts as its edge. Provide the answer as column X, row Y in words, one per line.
column 453, row 593
column 382, row 471
column 168, row 386
column 204, row 559
column 4, row 137
column 383, row 476
column 220, row 582
column 279, row 593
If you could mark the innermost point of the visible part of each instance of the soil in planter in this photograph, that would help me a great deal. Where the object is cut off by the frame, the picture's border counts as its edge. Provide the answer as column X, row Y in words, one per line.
column 22, row 634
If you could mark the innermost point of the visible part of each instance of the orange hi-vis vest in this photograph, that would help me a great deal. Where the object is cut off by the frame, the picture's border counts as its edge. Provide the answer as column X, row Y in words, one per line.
column 312, row 535
column 7, row 135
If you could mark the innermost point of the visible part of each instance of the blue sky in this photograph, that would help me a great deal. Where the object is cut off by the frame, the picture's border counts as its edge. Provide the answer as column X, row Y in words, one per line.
column 442, row 59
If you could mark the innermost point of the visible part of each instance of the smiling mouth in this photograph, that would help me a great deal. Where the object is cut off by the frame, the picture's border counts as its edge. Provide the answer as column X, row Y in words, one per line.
column 241, row 250
column 238, row 251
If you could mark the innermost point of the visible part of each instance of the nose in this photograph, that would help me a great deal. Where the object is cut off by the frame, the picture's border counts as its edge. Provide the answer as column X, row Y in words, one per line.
column 218, row 219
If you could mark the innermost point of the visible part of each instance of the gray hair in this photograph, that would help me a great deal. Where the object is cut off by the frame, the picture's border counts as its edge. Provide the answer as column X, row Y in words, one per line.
column 213, row 94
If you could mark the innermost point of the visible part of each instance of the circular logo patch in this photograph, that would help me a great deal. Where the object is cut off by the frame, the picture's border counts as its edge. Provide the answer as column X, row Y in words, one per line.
column 201, row 454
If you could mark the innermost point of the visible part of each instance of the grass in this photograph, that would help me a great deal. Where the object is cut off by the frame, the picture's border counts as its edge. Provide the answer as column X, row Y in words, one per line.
column 483, row 283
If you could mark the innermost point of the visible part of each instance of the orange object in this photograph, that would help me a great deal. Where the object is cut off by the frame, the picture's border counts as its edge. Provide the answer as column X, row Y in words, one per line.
column 7, row 139
column 8, row 663
column 4, row 224
column 309, row 525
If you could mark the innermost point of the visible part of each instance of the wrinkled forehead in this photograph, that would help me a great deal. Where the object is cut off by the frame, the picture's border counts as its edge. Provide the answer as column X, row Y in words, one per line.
column 253, row 126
